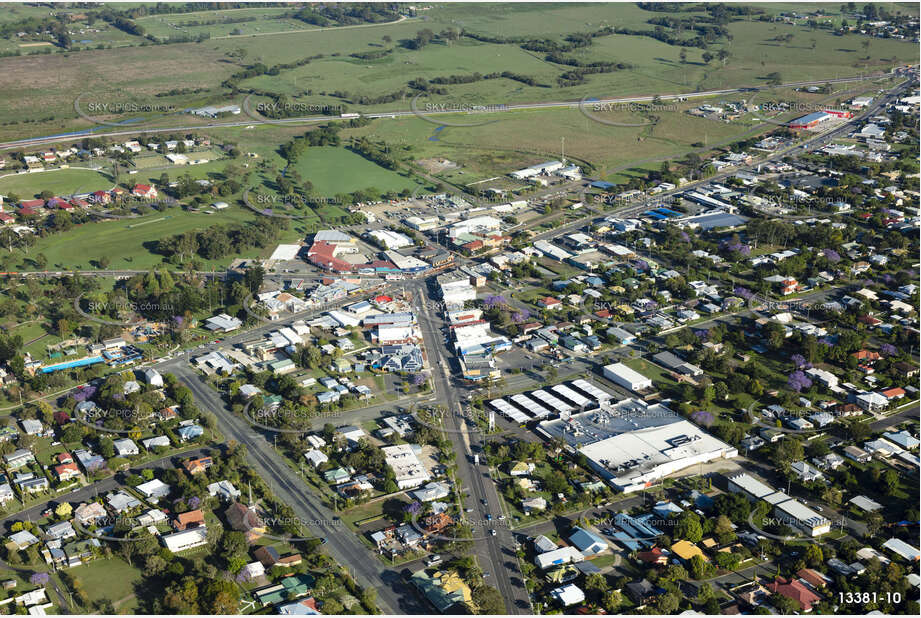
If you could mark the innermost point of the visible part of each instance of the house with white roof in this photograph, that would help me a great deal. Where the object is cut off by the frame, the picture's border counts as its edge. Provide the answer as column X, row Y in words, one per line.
column 154, row 489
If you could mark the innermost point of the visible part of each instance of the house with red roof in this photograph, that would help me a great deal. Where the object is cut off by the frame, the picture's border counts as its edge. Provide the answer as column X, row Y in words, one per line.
column 146, row 191
column 796, row 590
column 6, row 217
column 190, row 519
column 548, row 302
column 893, row 393
column 656, row 556
column 59, row 203
column 870, row 320
column 101, row 197
column 812, row 577
column 80, row 203
column 867, row 356
column 197, row 466
column 28, row 211
column 67, row 471
column 33, row 204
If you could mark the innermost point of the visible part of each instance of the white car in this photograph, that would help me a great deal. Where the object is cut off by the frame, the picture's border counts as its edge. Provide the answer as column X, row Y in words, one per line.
column 492, row 532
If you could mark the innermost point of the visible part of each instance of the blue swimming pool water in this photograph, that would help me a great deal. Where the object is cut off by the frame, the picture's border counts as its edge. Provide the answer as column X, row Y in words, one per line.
column 71, row 364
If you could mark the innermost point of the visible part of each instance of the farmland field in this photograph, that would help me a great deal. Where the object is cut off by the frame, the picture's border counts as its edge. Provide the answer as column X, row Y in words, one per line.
column 337, row 170
column 194, row 71
column 264, row 19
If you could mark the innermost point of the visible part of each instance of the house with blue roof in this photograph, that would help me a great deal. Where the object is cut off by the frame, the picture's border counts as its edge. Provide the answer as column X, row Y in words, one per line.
column 587, row 542
column 190, row 432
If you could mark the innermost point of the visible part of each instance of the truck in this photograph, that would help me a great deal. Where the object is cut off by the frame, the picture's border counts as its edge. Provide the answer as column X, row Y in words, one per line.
column 349, row 115
column 476, row 459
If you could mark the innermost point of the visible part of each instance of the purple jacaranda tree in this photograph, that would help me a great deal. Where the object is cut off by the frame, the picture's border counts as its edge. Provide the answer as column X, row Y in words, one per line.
column 494, row 300
column 702, row 417
column 831, row 255
column 419, row 379
column 194, row 502
column 413, row 508
column 887, row 350
column 742, row 292
column 738, row 247
column 798, row 360
column 178, row 321
column 702, row 334
column 685, row 237
column 38, row 579
column 798, row 381
column 243, row 577
column 520, row 317
column 85, row 394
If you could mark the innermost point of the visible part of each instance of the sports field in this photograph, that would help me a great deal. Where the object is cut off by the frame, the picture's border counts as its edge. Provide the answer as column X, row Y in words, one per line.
column 58, row 181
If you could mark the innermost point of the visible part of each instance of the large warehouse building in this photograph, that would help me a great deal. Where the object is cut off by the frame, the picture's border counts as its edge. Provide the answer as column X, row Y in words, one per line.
column 632, row 444
column 620, row 374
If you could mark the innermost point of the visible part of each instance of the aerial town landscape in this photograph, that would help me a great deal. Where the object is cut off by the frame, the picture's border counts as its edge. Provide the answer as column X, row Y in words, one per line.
column 459, row 308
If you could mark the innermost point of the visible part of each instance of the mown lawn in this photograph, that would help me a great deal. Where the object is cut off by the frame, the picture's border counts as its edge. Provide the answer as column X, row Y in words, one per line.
column 112, row 579
column 130, row 243
column 58, row 181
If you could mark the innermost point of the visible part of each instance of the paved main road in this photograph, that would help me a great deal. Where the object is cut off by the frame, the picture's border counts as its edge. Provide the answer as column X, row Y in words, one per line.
column 495, row 554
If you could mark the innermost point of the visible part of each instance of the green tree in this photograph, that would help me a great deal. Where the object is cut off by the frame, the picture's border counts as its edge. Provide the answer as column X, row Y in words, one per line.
column 668, row 603
column 688, row 527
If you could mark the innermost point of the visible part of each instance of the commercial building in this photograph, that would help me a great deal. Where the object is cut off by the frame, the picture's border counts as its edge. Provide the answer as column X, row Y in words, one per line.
column 787, row 509
column 548, row 167
column 390, row 239
column 408, row 469
column 632, row 444
column 810, row 121
column 620, row 374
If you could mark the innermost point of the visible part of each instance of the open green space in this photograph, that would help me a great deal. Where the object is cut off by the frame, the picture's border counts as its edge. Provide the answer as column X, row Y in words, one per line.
column 129, row 243
column 658, row 375
column 259, row 21
column 58, row 181
column 335, row 171
column 112, row 579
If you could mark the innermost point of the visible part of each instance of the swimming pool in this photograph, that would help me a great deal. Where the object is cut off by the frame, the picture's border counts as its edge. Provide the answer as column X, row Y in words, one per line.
column 71, row 364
